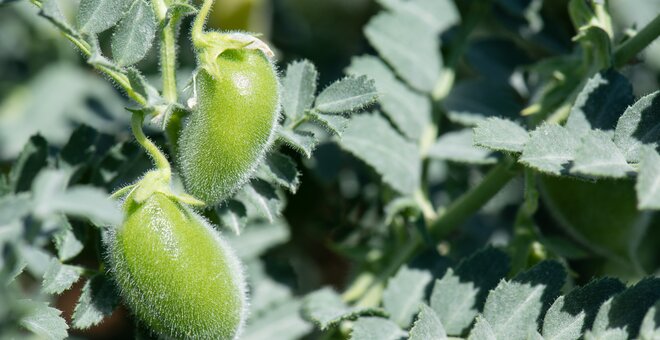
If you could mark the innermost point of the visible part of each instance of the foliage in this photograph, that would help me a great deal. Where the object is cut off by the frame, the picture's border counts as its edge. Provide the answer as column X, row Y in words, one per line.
column 483, row 170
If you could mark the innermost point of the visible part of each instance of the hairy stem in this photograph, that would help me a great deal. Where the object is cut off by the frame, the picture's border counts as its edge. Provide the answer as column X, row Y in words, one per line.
column 158, row 157
column 470, row 202
column 636, row 44
column 167, row 52
column 200, row 20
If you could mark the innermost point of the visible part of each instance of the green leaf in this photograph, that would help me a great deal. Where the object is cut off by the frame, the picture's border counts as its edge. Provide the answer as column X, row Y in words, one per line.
column 299, row 88
column 409, row 46
column 372, row 139
column 35, row 258
column 28, row 164
column 140, row 84
column 303, row 142
column 95, row 16
column 44, row 321
column 458, row 296
column 373, row 328
column 639, row 126
column 282, row 170
column 438, row 15
column 260, row 199
column 650, row 329
column 258, row 237
column 69, row 241
column 134, row 35
column 50, row 9
column 550, row 148
column 325, row 308
column 648, row 180
column 60, row 277
column 458, row 146
column 346, row 95
column 625, row 312
column 600, row 103
column 513, row 307
column 409, row 111
column 473, row 100
column 501, row 135
column 404, row 292
column 233, row 215
column 482, row 330
column 334, row 123
column 570, row 315
column 281, row 322
column 51, row 196
column 97, row 301
column 600, row 330
column 14, row 208
column 427, row 326
column 597, row 155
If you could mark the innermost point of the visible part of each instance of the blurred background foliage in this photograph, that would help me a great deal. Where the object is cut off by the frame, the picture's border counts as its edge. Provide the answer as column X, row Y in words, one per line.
column 335, row 217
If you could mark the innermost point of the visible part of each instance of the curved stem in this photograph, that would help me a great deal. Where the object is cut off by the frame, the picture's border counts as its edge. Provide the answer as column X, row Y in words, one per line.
column 636, row 44
column 158, row 157
column 200, row 19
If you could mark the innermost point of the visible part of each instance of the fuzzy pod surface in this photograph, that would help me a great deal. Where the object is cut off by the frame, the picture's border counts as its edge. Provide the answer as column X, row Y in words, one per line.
column 176, row 273
column 232, row 125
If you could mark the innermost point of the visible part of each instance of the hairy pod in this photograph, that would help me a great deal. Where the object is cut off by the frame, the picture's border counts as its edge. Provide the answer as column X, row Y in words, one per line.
column 232, row 125
column 176, row 273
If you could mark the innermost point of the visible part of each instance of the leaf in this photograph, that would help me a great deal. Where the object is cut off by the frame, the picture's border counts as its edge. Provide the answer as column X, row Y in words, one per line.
column 303, row 142
column 458, row 146
column 570, row 315
column 513, row 307
column 69, row 241
column 233, row 215
column 600, row 103
column 501, row 135
column 44, row 321
column 408, row 46
column 60, row 277
column 625, row 312
column 404, row 293
column 600, row 330
column 371, row 138
column 14, row 208
column 281, row 322
column 142, row 87
column 50, row 10
column 30, row 161
column 325, row 308
column 260, row 199
column 482, row 330
column 408, row 110
column 134, row 35
column 281, row 169
column 550, row 148
column 438, row 15
column 97, row 301
column 299, row 87
column 373, row 328
column 639, row 126
column 335, row 123
column 427, row 326
column 648, row 181
column 346, row 95
column 650, row 329
column 471, row 101
column 597, row 155
column 458, row 296
column 95, row 16
column 258, row 237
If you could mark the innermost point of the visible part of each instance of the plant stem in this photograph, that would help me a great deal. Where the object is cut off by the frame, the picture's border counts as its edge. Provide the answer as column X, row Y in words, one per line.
column 636, row 44
column 198, row 26
column 473, row 200
column 158, row 157
column 167, row 52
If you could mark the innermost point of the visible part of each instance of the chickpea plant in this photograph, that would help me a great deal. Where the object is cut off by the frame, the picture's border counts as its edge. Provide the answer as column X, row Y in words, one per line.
column 497, row 179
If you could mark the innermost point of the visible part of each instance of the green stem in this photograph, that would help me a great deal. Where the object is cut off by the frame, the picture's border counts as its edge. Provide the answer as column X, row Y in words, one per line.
column 167, row 52
column 636, row 44
column 158, row 157
column 473, row 200
column 198, row 26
